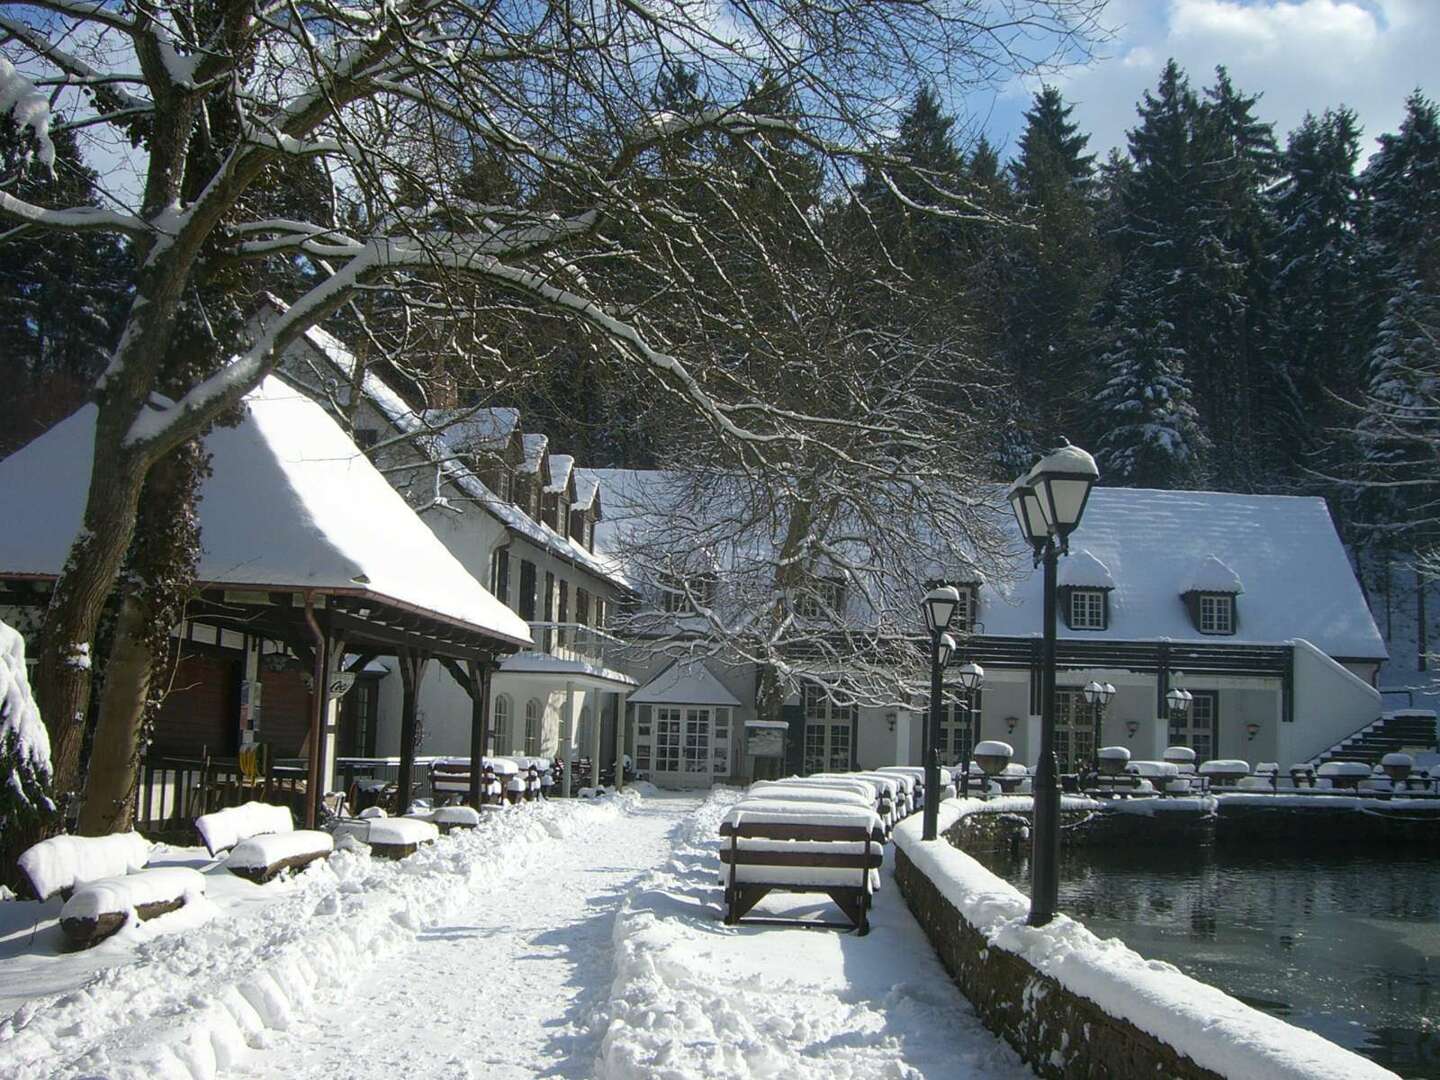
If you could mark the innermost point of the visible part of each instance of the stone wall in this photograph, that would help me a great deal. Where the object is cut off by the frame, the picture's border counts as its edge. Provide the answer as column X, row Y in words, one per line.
column 1059, row 1032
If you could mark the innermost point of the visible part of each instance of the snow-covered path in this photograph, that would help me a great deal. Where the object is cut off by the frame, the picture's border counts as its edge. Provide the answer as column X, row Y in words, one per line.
column 509, row 987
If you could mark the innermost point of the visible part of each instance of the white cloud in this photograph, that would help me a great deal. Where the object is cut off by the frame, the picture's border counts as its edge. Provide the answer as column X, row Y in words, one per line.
column 1300, row 54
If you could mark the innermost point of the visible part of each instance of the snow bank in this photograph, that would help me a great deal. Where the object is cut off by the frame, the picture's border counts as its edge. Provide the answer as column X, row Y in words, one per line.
column 1213, row 1029
column 187, row 1005
column 63, row 862
column 226, row 828
column 464, row 816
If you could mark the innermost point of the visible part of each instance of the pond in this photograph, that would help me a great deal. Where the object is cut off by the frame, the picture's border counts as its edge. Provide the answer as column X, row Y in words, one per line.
column 1347, row 945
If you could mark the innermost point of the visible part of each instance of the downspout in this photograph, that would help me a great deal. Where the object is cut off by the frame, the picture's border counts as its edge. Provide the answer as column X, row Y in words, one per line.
column 317, row 712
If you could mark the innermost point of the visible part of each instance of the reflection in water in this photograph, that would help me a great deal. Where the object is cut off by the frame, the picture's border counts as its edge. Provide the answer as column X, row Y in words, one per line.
column 1347, row 945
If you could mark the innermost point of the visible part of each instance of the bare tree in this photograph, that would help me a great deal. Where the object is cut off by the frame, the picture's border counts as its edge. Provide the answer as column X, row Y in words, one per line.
column 392, row 103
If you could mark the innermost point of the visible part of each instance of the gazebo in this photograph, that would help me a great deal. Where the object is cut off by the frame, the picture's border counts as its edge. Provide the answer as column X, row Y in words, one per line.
column 306, row 544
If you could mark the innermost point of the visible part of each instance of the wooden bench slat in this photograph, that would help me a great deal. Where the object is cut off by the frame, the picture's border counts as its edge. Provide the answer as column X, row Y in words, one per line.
column 822, row 859
column 765, row 830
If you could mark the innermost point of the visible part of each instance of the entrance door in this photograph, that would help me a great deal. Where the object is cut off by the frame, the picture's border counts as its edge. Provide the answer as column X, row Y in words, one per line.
column 829, row 732
column 689, row 745
column 1074, row 730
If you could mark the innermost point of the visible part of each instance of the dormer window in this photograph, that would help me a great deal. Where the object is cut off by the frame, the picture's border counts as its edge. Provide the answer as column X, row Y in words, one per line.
column 1217, row 613
column 682, row 595
column 1087, row 609
column 825, row 597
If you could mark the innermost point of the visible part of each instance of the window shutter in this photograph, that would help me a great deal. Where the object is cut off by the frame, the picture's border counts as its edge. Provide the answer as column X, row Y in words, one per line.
column 794, row 716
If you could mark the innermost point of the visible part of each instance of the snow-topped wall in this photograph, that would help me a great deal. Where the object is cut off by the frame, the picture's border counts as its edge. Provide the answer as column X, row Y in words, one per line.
column 1074, row 1005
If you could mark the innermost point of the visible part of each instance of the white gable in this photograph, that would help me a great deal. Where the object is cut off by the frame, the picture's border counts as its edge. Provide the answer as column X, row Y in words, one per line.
column 684, row 684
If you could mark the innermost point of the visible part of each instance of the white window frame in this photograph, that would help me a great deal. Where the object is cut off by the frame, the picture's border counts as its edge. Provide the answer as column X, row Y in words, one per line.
column 1087, row 609
column 502, row 712
column 1217, row 613
column 825, row 598
column 534, row 726
column 830, row 731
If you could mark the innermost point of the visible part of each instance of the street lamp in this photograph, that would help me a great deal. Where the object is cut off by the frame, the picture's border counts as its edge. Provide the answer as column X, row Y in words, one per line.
column 1048, row 503
column 1098, row 694
column 971, row 676
column 938, row 609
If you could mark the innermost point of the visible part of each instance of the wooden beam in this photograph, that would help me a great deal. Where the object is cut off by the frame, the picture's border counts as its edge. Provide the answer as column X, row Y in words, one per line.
column 480, row 672
column 412, row 673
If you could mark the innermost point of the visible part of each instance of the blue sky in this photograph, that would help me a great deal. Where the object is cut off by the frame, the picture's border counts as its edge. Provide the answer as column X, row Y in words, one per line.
column 1301, row 54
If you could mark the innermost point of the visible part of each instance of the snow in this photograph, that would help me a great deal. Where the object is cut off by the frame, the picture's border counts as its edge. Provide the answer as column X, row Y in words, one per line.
column 561, row 469
column 63, row 862
column 225, row 828
column 1213, row 1029
column 768, row 725
column 1396, row 759
column 1233, row 765
column 787, row 793
column 994, row 748
column 1212, row 575
column 130, row 891
column 1084, row 570
column 1339, row 768
column 280, row 978
column 536, row 447
column 693, row 999
column 401, row 831
column 28, row 107
column 291, row 503
column 23, row 736
column 1167, row 769
column 762, row 811
column 1066, row 459
column 258, row 852
column 1114, row 753
column 1180, row 755
column 456, row 815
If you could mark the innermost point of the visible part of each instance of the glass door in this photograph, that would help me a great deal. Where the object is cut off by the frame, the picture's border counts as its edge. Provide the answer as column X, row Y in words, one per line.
column 1198, row 727
column 829, row 732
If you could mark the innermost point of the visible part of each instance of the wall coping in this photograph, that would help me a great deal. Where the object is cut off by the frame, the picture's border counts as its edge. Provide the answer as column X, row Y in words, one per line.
column 1199, row 1021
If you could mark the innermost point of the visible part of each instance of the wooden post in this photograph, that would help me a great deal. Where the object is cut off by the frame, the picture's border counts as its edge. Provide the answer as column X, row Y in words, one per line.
column 479, row 688
column 412, row 673
column 597, row 721
column 567, row 741
column 619, row 742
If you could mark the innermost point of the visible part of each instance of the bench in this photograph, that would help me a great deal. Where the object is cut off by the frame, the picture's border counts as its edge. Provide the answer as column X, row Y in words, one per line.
column 104, row 883
column 772, row 846
column 262, row 840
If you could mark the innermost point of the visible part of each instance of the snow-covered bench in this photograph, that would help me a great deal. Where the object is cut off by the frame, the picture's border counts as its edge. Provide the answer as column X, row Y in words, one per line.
column 395, row 838
column 104, row 883
column 768, row 846
column 262, row 840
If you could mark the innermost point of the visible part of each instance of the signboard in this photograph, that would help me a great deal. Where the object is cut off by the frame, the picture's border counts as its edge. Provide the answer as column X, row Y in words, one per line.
column 340, row 684
column 765, row 741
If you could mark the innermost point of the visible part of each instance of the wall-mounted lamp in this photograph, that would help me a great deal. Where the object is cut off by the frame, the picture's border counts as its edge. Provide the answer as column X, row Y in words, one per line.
column 1131, row 727
column 1010, row 722
column 890, row 721
column 1252, row 729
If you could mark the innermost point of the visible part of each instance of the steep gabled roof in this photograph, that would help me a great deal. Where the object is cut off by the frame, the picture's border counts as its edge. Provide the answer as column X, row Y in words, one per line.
column 291, row 503
column 562, row 473
column 471, row 430
column 684, row 683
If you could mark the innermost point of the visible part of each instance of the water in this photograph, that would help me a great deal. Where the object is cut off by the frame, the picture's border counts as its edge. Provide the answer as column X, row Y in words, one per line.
column 1346, row 945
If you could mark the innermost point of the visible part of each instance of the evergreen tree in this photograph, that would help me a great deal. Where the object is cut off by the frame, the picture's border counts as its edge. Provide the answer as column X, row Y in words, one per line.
column 1151, row 433
column 1055, row 271
column 1318, row 282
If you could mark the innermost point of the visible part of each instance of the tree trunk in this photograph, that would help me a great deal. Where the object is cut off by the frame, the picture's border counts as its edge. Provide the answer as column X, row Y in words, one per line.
column 108, row 805
column 63, row 674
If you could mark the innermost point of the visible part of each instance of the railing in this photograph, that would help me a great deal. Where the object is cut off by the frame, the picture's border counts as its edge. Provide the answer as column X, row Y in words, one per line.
column 578, row 643
column 172, row 792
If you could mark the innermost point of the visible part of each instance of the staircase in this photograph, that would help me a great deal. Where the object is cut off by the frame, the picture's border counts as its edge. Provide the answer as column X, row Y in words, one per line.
column 1404, row 729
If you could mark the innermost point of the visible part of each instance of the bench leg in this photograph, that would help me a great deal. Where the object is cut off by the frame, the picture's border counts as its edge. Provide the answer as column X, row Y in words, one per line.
column 853, row 902
column 741, row 900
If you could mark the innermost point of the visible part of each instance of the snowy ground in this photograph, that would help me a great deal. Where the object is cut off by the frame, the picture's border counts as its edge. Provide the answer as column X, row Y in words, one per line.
column 566, row 939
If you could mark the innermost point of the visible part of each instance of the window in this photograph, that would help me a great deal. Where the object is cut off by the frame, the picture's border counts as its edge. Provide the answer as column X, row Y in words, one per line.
column 582, row 607
column 600, row 612
column 1217, row 613
column 684, row 594
column 1087, row 609
column 829, row 731
column 564, row 613
column 1197, row 728
column 826, row 596
column 532, row 727
column 587, row 533
column 527, row 590
column 643, row 734
column 500, row 575
column 720, row 756
column 500, row 726
column 562, row 516
column 667, row 738
column 366, row 438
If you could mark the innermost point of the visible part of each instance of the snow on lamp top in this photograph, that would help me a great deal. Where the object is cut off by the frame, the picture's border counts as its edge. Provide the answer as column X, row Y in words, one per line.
column 1212, row 575
column 1084, row 570
column 1066, row 459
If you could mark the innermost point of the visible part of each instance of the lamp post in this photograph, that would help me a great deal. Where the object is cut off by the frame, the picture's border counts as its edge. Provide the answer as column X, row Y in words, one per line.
column 1179, row 702
column 1098, row 694
column 938, row 609
column 971, row 676
column 1048, row 503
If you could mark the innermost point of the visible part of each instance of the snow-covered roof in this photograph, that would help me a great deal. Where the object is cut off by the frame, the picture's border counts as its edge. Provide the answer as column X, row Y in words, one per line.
column 1213, row 575
column 1298, row 582
column 535, row 447
column 461, row 430
column 291, row 503
column 562, row 468
column 406, row 420
column 1084, row 571
column 684, row 684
